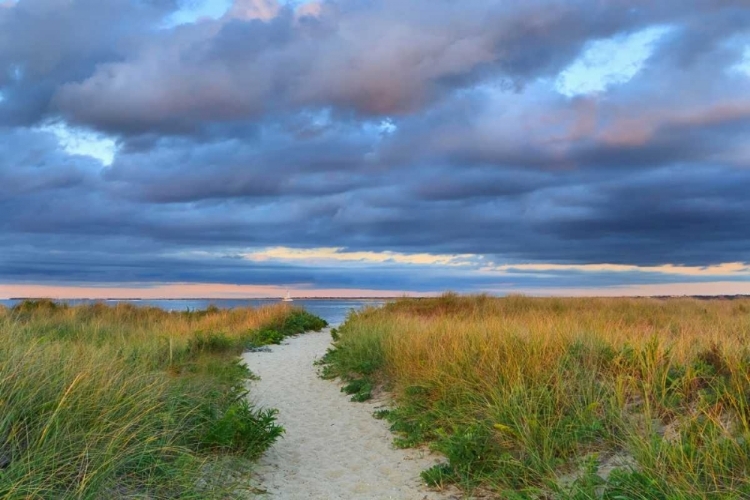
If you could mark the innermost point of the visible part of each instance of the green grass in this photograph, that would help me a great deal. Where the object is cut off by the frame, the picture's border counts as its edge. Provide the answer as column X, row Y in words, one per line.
column 130, row 402
column 563, row 398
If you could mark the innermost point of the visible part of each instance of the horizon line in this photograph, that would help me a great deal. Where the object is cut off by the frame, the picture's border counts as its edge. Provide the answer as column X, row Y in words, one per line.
column 223, row 298
column 333, row 297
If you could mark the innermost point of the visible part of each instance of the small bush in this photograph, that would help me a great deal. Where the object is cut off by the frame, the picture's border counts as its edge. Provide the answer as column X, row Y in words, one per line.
column 242, row 429
column 210, row 343
column 298, row 321
column 37, row 306
column 439, row 475
column 360, row 389
column 268, row 336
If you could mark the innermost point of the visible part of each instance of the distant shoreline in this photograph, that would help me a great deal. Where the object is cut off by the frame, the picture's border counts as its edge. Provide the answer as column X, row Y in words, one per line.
column 215, row 298
column 139, row 299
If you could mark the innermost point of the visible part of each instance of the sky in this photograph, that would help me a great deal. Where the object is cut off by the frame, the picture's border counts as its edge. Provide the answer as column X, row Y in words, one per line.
column 232, row 148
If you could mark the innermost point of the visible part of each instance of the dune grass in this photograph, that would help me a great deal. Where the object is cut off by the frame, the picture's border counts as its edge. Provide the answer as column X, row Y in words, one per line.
column 130, row 402
column 563, row 398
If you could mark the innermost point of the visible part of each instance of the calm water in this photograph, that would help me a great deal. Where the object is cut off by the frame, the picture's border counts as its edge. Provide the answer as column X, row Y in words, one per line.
column 334, row 310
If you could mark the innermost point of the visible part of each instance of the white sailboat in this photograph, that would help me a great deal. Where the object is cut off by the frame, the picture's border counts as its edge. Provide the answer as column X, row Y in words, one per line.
column 287, row 298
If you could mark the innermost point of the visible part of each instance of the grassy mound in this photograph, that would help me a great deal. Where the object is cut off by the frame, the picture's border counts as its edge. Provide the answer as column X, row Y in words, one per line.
column 130, row 402
column 564, row 398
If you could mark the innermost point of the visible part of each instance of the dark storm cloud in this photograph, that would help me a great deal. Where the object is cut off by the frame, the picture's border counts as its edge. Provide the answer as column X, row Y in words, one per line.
column 31, row 163
column 47, row 43
column 687, row 215
column 421, row 126
column 300, row 160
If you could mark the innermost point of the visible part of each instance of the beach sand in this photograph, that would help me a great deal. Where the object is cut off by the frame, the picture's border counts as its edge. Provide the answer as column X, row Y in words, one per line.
column 333, row 448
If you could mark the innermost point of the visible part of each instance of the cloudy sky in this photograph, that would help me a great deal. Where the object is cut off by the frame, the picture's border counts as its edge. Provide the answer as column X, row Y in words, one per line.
column 246, row 147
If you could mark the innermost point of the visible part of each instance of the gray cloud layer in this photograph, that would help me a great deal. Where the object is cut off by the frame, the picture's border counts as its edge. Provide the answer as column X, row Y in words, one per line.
column 420, row 126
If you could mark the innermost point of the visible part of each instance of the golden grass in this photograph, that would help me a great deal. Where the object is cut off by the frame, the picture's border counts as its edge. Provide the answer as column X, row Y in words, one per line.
column 532, row 396
column 477, row 345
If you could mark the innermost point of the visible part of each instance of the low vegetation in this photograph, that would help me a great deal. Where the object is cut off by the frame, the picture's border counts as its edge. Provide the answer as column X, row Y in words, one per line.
column 130, row 402
column 563, row 398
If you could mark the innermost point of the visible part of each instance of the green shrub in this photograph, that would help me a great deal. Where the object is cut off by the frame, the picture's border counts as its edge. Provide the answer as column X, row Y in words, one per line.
column 268, row 336
column 240, row 428
column 360, row 389
column 439, row 475
column 210, row 343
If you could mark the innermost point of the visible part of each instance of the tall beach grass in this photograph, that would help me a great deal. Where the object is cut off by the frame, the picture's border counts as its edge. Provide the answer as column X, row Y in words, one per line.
column 129, row 402
column 563, row 398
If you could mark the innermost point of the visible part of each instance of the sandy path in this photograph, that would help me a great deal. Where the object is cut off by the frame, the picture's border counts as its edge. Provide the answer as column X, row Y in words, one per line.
column 333, row 448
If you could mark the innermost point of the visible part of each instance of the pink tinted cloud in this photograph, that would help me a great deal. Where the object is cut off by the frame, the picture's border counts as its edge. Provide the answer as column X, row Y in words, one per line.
column 629, row 129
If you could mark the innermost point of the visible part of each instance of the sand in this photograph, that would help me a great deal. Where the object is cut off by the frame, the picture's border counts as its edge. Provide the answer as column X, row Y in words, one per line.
column 332, row 448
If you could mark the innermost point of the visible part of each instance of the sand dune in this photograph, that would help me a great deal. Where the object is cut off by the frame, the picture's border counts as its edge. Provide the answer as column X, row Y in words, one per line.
column 333, row 448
